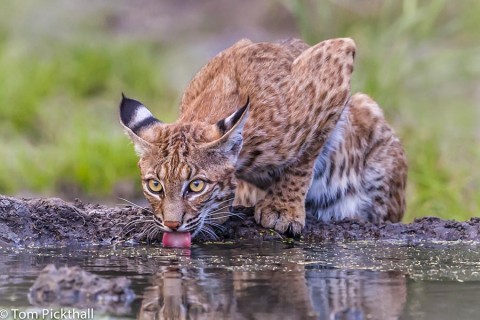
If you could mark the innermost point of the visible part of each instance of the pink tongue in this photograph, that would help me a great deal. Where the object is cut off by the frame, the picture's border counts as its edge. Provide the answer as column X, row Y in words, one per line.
column 177, row 240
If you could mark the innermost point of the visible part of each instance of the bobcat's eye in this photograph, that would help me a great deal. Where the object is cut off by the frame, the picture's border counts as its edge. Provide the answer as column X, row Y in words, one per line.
column 154, row 186
column 196, row 186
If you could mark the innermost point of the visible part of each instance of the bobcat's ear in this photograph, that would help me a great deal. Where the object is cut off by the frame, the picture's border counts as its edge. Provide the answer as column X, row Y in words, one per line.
column 137, row 122
column 231, row 130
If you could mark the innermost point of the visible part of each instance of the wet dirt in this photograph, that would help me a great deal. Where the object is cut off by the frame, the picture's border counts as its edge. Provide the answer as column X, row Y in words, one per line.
column 53, row 221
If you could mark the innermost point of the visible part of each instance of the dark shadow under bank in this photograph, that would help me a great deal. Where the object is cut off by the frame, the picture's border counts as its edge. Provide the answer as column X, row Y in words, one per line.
column 53, row 221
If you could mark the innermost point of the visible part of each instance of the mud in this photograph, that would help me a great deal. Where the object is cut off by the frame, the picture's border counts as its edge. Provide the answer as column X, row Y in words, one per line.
column 53, row 221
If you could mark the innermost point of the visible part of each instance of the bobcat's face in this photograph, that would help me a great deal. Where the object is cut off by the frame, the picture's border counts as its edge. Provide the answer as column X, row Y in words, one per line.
column 187, row 170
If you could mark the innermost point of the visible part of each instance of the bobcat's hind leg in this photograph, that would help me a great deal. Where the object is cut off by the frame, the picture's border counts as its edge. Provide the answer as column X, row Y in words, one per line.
column 283, row 207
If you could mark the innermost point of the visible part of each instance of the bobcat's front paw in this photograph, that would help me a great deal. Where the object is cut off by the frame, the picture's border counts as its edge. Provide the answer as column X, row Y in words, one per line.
column 280, row 216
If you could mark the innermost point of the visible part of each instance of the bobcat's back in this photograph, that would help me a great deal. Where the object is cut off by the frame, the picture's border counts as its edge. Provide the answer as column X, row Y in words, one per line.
column 361, row 169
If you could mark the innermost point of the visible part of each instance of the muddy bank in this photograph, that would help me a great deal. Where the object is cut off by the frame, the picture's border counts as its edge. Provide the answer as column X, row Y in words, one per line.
column 54, row 221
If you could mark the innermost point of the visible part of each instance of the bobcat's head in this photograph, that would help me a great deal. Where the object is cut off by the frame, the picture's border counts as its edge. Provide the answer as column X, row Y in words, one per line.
column 187, row 169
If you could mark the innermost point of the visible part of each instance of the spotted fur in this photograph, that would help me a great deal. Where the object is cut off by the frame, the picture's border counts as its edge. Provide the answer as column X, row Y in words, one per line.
column 300, row 139
column 361, row 170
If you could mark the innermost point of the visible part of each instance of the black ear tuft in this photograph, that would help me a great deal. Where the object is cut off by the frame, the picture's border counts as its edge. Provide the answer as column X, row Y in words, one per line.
column 231, row 129
column 134, row 115
column 226, row 124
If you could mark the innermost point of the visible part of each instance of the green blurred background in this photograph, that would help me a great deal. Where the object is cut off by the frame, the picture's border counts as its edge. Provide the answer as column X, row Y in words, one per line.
column 64, row 63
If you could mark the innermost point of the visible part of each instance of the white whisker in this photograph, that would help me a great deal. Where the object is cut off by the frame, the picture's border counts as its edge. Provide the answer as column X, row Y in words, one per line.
column 226, row 214
column 159, row 224
column 194, row 225
column 131, row 225
column 229, row 199
column 222, row 202
column 210, row 232
column 153, row 234
column 135, row 205
column 216, row 219
column 219, row 209
column 215, row 225
column 147, row 230
column 139, row 220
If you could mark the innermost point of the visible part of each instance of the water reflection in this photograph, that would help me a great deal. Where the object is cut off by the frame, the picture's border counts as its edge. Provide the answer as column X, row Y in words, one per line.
column 306, row 293
column 360, row 280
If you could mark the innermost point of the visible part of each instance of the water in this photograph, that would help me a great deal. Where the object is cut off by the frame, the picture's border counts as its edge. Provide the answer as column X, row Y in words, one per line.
column 360, row 280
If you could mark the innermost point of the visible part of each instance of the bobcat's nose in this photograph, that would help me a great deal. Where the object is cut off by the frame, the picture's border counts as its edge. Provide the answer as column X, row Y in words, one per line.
column 174, row 225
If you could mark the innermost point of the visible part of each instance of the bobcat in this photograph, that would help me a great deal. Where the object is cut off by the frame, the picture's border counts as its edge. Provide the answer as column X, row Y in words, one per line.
column 300, row 143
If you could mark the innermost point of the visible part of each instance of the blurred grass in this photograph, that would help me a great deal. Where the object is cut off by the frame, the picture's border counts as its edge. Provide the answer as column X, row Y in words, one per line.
column 58, row 115
column 418, row 59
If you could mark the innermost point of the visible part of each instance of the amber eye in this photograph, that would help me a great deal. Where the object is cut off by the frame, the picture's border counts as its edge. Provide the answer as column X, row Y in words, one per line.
column 154, row 186
column 196, row 186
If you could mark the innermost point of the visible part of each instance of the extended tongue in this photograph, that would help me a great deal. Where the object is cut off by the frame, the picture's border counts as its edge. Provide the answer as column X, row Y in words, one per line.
column 177, row 240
